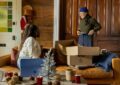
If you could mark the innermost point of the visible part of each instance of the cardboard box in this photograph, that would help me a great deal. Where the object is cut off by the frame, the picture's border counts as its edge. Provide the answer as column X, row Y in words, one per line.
column 85, row 51
column 77, row 55
column 79, row 60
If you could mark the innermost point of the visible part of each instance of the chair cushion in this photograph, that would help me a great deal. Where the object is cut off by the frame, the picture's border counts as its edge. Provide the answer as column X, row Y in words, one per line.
column 4, row 60
column 9, row 69
column 89, row 72
column 14, row 55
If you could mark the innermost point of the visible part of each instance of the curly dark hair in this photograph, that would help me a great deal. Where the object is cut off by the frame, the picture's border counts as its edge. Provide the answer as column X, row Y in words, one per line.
column 31, row 31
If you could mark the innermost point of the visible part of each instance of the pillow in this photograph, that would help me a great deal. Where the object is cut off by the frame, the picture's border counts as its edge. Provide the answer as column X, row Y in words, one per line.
column 14, row 55
column 62, row 49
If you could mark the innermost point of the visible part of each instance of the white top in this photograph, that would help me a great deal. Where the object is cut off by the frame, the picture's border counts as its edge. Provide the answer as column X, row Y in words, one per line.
column 30, row 49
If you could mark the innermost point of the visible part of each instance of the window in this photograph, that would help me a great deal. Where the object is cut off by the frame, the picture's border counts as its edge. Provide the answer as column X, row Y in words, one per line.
column 6, row 16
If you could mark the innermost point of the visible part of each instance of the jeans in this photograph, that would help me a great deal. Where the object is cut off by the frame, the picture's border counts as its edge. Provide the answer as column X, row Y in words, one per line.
column 85, row 40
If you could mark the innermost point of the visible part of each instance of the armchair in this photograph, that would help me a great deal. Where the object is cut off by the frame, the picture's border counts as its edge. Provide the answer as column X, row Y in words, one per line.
column 5, row 64
column 60, row 49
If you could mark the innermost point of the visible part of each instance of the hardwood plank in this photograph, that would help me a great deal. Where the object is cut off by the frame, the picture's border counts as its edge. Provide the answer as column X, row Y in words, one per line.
column 68, row 17
column 47, row 22
column 101, row 16
column 43, row 11
column 46, row 33
column 43, row 18
column 46, row 44
column 115, row 22
column 43, row 2
column 91, row 5
column 75, row 11
column 82, row 3
column 108, row 15
column 63, row 13
column 110, row 45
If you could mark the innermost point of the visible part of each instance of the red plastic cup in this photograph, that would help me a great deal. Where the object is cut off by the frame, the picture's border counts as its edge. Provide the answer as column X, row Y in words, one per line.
column 39, row 80
column 10, row 74
column 77, row 79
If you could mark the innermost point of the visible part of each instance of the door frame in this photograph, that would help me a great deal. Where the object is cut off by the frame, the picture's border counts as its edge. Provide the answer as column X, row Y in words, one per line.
column 56, row 21
column 16, row 31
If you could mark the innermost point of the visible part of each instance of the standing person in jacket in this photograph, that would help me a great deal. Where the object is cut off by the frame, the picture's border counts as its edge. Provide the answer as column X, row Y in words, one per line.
column 30, row 48
column 87, row 28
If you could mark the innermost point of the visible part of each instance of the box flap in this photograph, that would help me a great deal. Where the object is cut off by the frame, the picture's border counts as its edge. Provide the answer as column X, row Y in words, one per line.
column 79, row 60
column 72, row 50
column 90, row 51
column 86, row 51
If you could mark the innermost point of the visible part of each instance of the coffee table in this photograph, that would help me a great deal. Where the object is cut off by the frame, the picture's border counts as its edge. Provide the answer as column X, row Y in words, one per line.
column 32, row 82
column 69, row 83
column 26, row 81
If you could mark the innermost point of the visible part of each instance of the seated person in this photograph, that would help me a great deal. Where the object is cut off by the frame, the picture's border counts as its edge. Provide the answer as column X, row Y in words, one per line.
column 30, row 48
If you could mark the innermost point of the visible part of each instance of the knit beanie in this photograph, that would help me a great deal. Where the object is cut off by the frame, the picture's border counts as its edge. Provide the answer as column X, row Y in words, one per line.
column 83, row 9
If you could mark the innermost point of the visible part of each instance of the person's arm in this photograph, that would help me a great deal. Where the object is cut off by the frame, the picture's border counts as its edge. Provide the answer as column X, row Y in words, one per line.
column 78, row 30
column 91, row 32
column 96, row 27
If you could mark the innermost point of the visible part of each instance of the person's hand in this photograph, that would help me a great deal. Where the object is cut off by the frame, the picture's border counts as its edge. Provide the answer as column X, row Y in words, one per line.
column 78, row 32
column 91, row 32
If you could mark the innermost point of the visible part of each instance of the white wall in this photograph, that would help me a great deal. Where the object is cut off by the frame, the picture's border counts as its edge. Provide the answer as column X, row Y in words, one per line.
column 6, row 37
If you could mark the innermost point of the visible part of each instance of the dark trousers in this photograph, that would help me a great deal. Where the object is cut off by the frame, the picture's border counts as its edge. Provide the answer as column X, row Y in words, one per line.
column 85, row 40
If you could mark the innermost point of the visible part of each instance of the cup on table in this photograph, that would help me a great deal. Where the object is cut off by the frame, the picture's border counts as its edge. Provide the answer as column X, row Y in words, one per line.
column 68, row 74
column 10, row 74
column 77, row 79
column 39, row 80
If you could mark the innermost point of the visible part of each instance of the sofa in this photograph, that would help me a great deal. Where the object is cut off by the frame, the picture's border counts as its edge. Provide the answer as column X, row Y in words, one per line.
column 92, row 75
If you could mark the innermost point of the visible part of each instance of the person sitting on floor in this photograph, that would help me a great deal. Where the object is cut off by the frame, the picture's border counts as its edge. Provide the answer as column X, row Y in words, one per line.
column 30, row 48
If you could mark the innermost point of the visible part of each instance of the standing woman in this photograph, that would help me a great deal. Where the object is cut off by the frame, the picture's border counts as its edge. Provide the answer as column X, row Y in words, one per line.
column 30, row 48
column 87, row 28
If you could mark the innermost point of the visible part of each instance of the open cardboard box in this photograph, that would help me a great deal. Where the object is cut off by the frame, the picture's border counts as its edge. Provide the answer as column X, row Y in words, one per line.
column 81, row 50
column 80, row 55
column 79, row 60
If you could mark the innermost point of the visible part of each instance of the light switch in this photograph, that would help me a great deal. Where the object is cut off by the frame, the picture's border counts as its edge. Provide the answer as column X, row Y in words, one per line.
column 13, row 37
